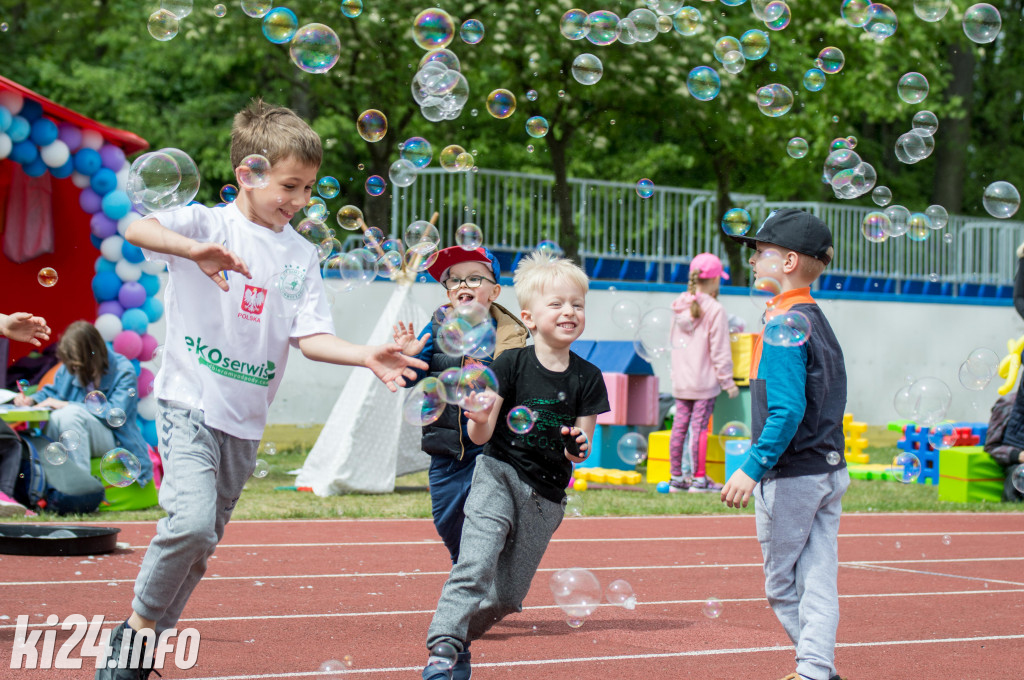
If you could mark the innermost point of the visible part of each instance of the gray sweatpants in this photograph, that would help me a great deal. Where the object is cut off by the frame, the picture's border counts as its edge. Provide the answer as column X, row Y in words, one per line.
column 506, row 531
column 798, row 528
column 204, row 472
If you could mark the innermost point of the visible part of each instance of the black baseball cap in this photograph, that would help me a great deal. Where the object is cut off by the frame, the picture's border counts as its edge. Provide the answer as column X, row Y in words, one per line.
column 796, row 230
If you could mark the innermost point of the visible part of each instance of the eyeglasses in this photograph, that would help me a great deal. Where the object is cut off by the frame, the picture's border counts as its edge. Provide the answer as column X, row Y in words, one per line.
column 474, row 281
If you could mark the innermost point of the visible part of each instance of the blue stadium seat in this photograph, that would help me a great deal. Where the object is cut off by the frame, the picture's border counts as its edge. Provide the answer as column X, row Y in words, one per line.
column 588, row 266
column 970, row 290
column 913, row 287
column 855, row 284
column 1004, row 292
column 880, row 285
column 680, row 273
column 608, row 268
column 633, row 270
column 831, row 282
column 505, row 260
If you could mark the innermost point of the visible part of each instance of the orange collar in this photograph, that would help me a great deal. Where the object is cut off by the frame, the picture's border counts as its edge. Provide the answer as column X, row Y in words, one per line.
column 780, row 303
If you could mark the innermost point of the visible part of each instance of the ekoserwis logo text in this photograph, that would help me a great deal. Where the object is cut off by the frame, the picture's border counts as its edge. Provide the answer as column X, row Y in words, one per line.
column 35, row 645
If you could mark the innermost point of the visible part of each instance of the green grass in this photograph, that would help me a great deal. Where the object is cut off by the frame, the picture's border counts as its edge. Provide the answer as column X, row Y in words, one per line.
column 260, row 500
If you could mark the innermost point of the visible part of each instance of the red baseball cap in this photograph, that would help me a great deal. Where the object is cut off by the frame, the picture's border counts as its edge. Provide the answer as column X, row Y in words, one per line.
column 449, row 257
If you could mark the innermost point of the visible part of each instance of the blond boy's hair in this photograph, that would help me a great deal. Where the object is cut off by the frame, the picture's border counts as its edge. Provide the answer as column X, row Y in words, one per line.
column 539, row 269
column 275, row 133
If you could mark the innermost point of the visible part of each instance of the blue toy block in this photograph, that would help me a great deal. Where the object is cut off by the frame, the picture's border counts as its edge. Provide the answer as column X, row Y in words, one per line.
column 605, row 448
column 980, row 430
column 633, row 270
column 915, row 441
column 583, row 348
column 619, row 356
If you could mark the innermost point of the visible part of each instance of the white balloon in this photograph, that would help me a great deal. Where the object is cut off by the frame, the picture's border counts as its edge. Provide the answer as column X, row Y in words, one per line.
column 55, row 154
column 12, row 101
column 153, row 267
column 128, row 271
column 5, row 145
column 122, row 224
column 92, row 140
column 79, row 180
column 122, row 176
column 111, row 248
column 109, row 326
column 147, row 407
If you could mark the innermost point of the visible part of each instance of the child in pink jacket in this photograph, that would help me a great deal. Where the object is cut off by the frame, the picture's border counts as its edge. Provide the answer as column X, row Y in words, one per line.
column 701, row 368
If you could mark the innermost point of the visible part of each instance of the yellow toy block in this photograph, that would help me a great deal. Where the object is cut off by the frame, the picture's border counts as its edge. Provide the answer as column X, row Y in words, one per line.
column 658, row 471
column 597, row 475
column 615, row 477
column 631, row 477
column 657, row 445
column 858, row 458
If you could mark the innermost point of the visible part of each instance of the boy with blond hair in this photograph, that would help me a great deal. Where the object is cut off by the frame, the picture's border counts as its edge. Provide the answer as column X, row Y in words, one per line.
column 795, row 468
column 224, row 357
column 516, row 500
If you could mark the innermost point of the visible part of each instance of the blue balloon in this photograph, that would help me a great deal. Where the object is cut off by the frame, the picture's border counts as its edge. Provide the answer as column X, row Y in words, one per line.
column 148, row 428
column 116, row 204
column 19, row 129
column 103, row 264
column 96, row 242
column 134, row 319
column 88, row 161
column 24, row 152
column 132, row 252
column 137, row 365
column 151, row 284
column 31, row 110
column 36, row 168
column 103, row 181
column 106, row 285
column 5, row 118
column 153, row 308
column 64, row 170
column 44, row 131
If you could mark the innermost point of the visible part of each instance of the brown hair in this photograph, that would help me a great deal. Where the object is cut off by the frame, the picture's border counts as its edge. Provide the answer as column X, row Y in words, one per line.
column 275, row 133
column 691, row 288
column 83, row 353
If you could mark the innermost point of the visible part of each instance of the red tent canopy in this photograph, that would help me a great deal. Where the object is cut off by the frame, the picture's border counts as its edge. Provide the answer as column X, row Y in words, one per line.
column 74, row 256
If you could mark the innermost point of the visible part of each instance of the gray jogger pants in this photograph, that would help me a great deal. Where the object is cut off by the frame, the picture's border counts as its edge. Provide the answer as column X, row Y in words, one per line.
column 798, row 528
column 204, row 472
column 506, row 531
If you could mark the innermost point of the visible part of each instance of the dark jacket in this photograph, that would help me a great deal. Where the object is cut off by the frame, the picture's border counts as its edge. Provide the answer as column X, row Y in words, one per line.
column 447, row 436
column 995, row 439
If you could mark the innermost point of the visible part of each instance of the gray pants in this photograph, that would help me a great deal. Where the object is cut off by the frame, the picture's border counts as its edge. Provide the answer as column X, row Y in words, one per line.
column 506, row 531
column 95, row 437
column 798, row 528
column 204, row 472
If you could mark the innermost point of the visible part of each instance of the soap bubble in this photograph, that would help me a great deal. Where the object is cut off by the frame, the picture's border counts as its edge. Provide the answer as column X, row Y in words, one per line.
column 315, row 48
column 256, row 9
column 929, row 401
column 587, row 69
column 906, row 467
column 162, row 25
column 280, row 25
column 573, row 24
column 814, row 80
column 982, row 23
column 352, row 8
column 734, row 429
column 774, row 100
column 576, row 591
column 417, row 150
column 931, row 10
column 787, row 329
column 402, row 173
column 912, row 87
column 96, row 403
column 55, row 453
column 712, row 608
column 620, row 594
column 736, row 221
column 797, row 147
column 754, row 44
column 833, row 458
column 472, row 31
column 703, row 83
column 602, row 27
column 687, row 21
column 875, row 227
column 537, row 127
column 116, row 417
column 855, row 12
column 70, row 439
column 644, row 188
column 881, row 22
column 253, row 172
column 632, row 448
column 882, row 196
column 228, row 193
column 1001, row 199
column 372, row 125
column 1018, row 479
column 943, row 435
column 520, row 419
column 119, row 467
column 626, row 314
column 501, row 103
column 832, row 60
column 433, row 29
column 423, row 405
column 47, row 277
column 261, row 469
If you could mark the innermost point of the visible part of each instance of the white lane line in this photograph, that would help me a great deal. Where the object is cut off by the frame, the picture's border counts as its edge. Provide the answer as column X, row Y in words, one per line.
column 871, row 566
column 622, row 657
column 654, row 603
column 401, row 574
column 646, row 539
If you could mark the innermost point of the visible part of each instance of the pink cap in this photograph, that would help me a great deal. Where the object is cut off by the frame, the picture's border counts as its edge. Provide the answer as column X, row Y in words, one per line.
column 708, row 266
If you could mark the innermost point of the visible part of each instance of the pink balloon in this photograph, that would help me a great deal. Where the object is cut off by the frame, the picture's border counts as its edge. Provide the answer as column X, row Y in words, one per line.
column 128, row 344
column 145, row 383
column 149, row 345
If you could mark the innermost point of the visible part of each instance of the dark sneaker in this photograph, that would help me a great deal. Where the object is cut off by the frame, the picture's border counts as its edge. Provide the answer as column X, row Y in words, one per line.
column 704, row 485
column 442, row 661
column 675, row 486
column 462, row 669
column 112, row 670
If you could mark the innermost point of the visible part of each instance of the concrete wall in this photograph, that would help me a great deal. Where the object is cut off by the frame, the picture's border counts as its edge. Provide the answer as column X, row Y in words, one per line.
column 884, row 342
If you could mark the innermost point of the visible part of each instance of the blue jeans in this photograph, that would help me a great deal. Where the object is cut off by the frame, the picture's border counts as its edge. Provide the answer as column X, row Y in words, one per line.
column 450, row 480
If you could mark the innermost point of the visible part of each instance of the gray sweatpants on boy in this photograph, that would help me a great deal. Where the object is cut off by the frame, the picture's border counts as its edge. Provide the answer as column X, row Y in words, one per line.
column 204, row 472
column 507, row 529
column 798, row 528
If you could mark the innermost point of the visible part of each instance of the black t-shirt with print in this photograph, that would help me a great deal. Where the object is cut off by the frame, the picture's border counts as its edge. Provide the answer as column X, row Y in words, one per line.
column 557, row 399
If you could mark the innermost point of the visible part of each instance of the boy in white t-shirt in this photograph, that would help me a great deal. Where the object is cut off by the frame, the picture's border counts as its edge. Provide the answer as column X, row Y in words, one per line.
column 243, row 286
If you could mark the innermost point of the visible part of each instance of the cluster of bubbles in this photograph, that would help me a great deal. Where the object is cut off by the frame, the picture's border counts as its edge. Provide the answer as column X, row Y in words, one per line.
column 438, row 87
column 471, row 388
column 578, row 594
column 845, row 171
column 162, row 180
column 924, row 401
column 118, row 467
column 978, row 369
column 896, row 220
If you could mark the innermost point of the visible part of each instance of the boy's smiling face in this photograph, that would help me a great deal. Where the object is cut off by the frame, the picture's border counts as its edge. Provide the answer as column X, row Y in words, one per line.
column 557, row 314
column 485, row 294
column 273, row 206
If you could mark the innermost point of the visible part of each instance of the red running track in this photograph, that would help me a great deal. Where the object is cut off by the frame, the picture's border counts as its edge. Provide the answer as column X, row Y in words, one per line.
column 939, row 596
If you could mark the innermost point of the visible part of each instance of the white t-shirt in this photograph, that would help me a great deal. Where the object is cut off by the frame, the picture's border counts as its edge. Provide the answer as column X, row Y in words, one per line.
column 225, row 353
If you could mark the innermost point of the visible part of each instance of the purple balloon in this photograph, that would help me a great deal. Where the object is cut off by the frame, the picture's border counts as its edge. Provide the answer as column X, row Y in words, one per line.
column 90, row 201
column 102, row 226
column 70, row 135
column 132, row 294
column 110, row 307
column 113, row 157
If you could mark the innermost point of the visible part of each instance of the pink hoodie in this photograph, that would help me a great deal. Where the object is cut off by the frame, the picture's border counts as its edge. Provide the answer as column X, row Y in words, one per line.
column 701, row 355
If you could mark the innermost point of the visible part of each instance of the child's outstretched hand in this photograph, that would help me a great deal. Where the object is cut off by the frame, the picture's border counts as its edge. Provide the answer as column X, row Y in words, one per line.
column 391, row 366
column 737, row 490
column 24, row 327
column 577, row 446
column 213, row 259
column 484, row 401
column 404, row 335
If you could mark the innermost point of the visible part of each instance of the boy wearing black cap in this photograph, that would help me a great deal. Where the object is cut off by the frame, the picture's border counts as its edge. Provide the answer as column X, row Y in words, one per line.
column 468, row 276
column 795, row 468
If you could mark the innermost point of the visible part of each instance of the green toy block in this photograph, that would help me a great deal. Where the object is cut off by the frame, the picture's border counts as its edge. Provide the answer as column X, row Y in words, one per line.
column 968, row 474
column 898, row 425
column 870, row 471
